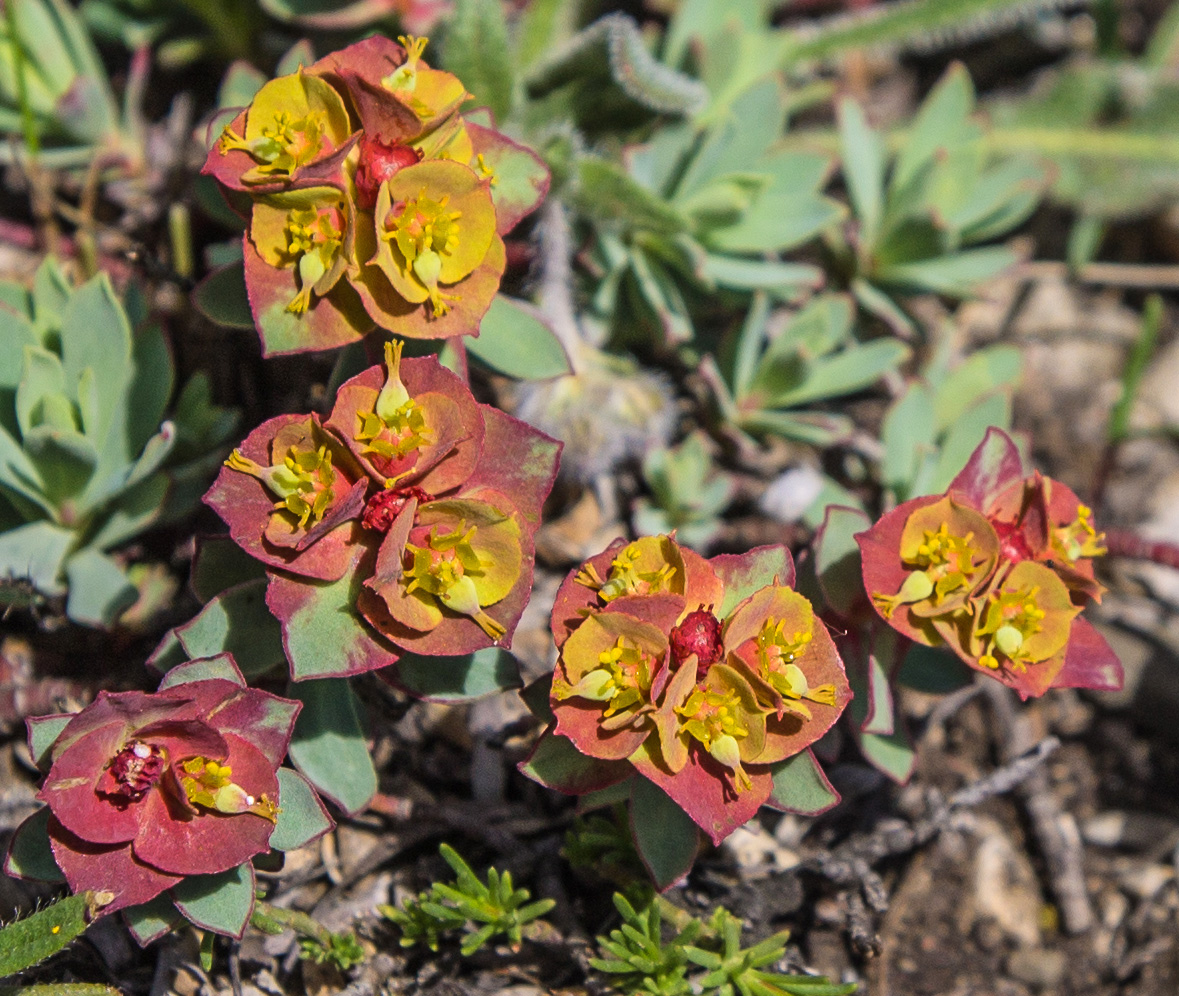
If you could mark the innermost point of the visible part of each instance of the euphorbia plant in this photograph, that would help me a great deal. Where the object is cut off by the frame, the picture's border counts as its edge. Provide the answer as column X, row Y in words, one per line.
column 174, row 791
column 404, row 522
column 373, row 200
column 998, row 570
column 705, row 682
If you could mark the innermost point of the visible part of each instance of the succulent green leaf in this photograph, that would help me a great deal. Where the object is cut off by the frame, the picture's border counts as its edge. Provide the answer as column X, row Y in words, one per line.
column 221, row 564
column 221, row 297
column 152, row 920
column 743, row 575
column 800, row 786
column 515, row 341
column 301, row 816
column 665, row 836
column 837, row 558
column 893, row 754
column 955, row 275
column 458, row 679
column 99, row 589
column 759, row 274
column 991, row 369
column 941, row 123
column 65, row 459
column 329, row 747
column 42, row 378
column 219, row 666
column 95, row 334
column 965, row 435
column 36, row 551
column 606, row 193
column 43, row 731
column 221, row 903
column 851, row 370
column 933, row 670
column 908, row 433
column 29, row 854
column 477, row 51
column 238, row 622
column 135, row 510
column 150, row 389
column 863, row 167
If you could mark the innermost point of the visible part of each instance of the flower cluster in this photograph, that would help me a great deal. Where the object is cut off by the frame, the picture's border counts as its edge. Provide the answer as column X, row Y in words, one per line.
column 404, row 522
column 373, row 200
column 701, row 676
column 998, row 569
column 147, row 789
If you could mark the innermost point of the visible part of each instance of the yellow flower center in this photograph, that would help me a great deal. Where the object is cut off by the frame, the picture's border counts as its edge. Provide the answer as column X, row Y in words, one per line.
column 1079, row 538
column 713, row 718
column 302, row 482
column 314, row 238
column 946, row 563
column 1010, row 617
column 776, row 654
column 397, row 424
column 424, row 232
column 209, row 784
column 622, row 678
column 404, row 78
column 284, row 144
column 626, row 578
column 445, row 568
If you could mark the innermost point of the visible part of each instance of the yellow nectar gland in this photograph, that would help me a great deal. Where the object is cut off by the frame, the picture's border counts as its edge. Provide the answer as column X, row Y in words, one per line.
column 712, row 718
column 302, row 482
column 315, row 237
column 625, row 577
column 404, row 78
column 208, row 783
column 284, row 145
column 945, row 563
column 622, row 680
column 777, row 653
column 397, row 424
column 424, row 232
column 1079, row 538
column 446, row 568
column 1009, row 618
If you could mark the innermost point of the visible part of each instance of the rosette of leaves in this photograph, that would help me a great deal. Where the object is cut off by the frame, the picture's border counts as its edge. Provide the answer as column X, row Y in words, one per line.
column 770, row 380
column 371, row 199
column 693, row 689
column 918, row 222
column 699, row 208
column 88, row 457
column 688, row 493
column 53, row 86
column 161, row 801
column 411, row 503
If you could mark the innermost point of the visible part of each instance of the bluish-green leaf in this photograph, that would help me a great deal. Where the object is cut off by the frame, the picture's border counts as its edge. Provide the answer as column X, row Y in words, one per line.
column 301, row 816
column 220, row 667
column 908, row 434
column 221, row 564
column 800, row 786
column 36, row 551
column 329, row 746
column 99, row 589
column 29, row 854
column 837, row 558
column 514, row 341
column 665, row 836
column 221, row 297
column 458, row 679
column 152, row 920
column 863, row 168
column 237, row 621
column 477, row 51
column 221, row 903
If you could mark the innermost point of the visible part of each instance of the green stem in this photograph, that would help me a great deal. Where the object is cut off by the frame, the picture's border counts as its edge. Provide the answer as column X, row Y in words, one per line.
column 28, row 120
column 266, row 917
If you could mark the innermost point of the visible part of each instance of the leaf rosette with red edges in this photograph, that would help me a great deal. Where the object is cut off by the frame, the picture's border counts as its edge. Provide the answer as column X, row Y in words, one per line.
column 404, row 522
column 374, row 201
column 147, row 789
column 698, row 676
column 997, row 569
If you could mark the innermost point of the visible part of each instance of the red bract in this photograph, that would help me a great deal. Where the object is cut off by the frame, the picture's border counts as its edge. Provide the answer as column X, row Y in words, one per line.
column 145, row 789
column 405, row 521
column 373, row 200
column 998, row 569
column 703, row 677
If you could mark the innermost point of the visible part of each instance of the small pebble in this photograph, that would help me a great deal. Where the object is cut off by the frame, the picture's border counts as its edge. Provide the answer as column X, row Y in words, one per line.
column 1039, row 968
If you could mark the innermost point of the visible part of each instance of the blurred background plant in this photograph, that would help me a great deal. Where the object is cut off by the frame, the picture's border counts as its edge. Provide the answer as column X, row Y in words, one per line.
column 94, row 450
